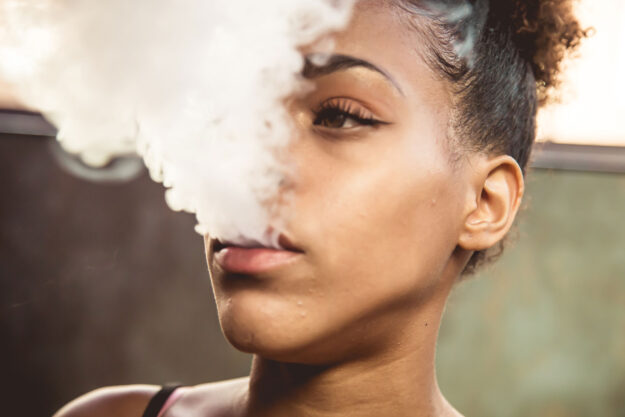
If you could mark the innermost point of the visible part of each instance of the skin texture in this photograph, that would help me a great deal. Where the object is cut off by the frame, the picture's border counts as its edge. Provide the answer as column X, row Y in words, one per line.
column 386, row 219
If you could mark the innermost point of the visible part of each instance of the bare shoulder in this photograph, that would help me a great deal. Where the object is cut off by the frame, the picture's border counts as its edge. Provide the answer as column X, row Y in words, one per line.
column 223, row 398
column 120, row 401
column 220, row 388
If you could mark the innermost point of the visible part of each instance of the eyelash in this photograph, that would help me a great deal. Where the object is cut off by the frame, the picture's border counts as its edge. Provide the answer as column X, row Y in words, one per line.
column 344, row 108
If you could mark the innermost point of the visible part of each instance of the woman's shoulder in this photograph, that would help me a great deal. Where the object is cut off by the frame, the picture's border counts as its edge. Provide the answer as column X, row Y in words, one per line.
column 223, row 398
column 216, row 398
column 120, row 401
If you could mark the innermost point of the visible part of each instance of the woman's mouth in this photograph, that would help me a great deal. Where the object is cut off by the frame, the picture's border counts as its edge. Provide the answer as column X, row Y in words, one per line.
column 253, row 260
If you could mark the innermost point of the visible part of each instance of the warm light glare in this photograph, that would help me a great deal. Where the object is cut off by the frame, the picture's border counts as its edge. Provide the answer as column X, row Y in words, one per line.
column 592, row 110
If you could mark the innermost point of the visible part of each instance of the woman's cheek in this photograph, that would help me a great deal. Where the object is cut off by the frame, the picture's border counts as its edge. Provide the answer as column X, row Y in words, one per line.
column 390, row 216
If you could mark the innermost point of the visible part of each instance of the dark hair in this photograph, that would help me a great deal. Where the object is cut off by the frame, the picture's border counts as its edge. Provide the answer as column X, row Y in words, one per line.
column 502, row 59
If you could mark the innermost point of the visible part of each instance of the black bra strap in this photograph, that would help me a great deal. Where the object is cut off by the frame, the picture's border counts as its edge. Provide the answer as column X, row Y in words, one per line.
column 158, row 400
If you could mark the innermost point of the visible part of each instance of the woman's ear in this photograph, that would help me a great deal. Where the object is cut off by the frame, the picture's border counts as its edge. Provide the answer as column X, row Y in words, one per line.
column 498, row 187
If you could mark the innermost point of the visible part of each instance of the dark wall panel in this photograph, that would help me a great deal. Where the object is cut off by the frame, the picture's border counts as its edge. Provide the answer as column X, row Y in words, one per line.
column 100, row 284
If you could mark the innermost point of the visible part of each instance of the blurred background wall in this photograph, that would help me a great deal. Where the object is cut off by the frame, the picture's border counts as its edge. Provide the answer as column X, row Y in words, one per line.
column 100, row 284
column 542, row 332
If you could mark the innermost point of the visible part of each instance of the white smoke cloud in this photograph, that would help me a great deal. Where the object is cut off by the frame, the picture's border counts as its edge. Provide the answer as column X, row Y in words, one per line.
column 196, row 87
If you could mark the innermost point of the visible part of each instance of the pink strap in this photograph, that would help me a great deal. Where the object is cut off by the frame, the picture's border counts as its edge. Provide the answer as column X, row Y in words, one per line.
column 175, row 396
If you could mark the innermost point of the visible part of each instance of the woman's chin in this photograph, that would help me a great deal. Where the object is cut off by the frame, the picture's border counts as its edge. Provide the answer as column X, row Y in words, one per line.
column 277, row 346
column 272, row 331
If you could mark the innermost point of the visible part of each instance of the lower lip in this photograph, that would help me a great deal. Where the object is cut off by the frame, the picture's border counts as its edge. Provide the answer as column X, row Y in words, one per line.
column 253, row 260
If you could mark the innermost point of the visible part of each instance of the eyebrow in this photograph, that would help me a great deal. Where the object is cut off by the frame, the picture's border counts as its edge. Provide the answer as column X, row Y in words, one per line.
column 338, row 62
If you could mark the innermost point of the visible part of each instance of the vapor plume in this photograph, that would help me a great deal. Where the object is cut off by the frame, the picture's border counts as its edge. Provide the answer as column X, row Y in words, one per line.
column 195, row 87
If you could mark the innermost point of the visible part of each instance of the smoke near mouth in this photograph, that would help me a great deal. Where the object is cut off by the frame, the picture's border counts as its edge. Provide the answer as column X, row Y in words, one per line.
column 194, row 87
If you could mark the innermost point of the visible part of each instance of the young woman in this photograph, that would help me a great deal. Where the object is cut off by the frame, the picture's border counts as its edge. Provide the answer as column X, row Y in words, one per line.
column 411, row 153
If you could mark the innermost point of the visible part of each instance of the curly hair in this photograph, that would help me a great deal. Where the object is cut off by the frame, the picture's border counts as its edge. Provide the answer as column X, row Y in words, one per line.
column 546, row 32
column 502, row 59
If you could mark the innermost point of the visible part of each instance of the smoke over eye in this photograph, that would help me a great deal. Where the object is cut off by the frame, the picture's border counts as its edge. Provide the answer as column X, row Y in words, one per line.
column 465, row 19
column 195, row 87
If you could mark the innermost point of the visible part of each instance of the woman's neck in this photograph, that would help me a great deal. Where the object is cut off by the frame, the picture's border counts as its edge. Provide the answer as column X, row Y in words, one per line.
column 398, row 382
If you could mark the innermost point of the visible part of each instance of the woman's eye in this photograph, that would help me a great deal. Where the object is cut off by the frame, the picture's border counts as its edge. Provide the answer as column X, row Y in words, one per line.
column 339, row 118
column 335, row 119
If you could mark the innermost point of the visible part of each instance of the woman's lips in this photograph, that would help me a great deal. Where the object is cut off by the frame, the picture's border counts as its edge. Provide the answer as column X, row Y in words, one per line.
column 240, row 260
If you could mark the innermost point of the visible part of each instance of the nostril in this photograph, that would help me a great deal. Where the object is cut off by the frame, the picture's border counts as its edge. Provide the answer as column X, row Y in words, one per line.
column 218, row 245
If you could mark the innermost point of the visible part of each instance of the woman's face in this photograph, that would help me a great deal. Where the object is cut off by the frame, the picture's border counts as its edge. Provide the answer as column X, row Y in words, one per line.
column 377, row 205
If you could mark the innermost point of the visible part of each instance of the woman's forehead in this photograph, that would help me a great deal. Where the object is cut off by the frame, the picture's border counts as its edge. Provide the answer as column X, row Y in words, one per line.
column 380, row 34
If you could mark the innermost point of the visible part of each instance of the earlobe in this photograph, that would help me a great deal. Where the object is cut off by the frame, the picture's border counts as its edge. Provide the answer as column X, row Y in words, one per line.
column 499, row 187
